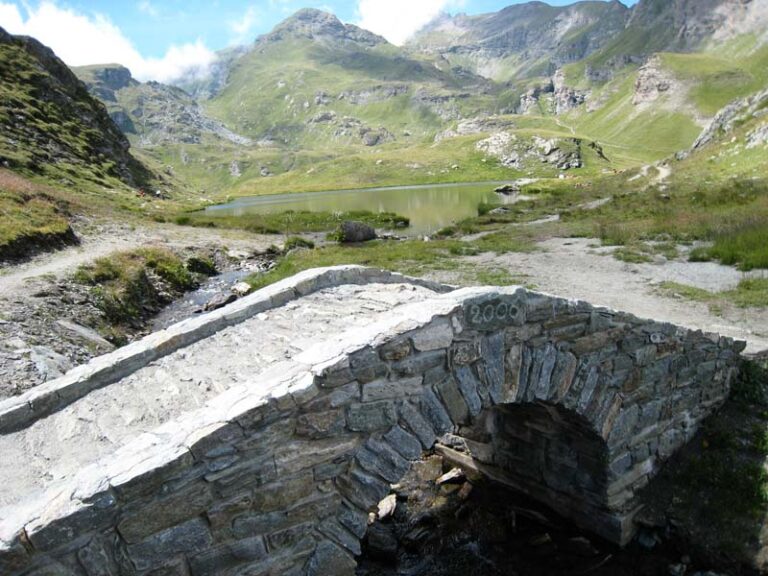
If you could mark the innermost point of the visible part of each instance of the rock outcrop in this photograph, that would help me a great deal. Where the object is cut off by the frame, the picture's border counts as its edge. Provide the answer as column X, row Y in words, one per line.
column 653, row 80
column 566, row 98
column 737, row 113
column 320, row 26
column 519, row 153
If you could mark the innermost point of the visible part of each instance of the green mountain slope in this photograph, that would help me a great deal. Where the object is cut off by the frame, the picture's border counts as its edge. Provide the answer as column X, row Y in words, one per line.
column 319, row 104
column 60, row 152
column 314, row 80
column 52, row 126
column 151, row 113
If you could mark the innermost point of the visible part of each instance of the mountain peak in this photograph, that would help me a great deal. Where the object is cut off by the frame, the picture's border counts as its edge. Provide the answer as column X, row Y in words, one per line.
column 313, row 24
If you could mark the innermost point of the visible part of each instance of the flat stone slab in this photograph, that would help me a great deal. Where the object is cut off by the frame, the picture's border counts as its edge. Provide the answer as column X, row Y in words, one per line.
column 55, row 447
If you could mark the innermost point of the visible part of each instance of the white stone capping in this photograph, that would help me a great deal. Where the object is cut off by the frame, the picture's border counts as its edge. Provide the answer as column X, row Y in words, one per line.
column 18, row 412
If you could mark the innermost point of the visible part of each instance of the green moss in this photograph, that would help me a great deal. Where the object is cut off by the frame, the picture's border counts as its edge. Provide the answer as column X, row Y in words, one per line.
column 201, row 265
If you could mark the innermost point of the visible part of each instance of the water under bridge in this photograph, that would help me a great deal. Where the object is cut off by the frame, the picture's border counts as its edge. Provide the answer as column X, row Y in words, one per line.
column 256, row 439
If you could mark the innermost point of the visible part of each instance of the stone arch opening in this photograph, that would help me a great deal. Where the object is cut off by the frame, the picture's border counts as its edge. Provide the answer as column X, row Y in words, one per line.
column 547, row 454
column 545, row 451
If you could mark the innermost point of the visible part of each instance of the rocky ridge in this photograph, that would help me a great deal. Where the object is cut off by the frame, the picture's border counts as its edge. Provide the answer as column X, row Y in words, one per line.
column 738, row 113
column 321, row 26
column 155, row 113
column 523, row 39
column 519, row 153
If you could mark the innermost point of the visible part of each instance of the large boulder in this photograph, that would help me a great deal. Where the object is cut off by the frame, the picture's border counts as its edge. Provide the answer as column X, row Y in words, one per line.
column 352, row 231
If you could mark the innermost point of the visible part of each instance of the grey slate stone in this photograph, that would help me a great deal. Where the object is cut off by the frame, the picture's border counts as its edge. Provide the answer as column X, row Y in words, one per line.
column 492, row 349
column 331, row 560
column 454, row 402
column 434, row 411
column 417, row 424
column 468, row 385
column 406, row 444
column 216, row 560
column 370, row 417
column 188, row 537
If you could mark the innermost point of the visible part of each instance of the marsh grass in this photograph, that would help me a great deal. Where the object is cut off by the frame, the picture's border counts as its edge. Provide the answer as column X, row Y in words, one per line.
column 292, row 222
column 732, row 215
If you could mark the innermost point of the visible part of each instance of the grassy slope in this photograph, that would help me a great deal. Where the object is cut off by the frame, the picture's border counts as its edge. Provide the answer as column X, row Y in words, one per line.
column 52, row 130
column 33, row 217
column 720, row 76
column 269, row 87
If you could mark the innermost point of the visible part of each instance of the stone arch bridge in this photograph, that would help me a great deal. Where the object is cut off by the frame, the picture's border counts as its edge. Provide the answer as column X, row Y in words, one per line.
column 254, row 440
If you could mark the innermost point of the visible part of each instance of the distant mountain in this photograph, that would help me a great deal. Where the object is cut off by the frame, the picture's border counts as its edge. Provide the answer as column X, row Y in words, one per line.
column 151, row 113
column 314, row 79
column 522, row 40
column 535, row 39
column 319, row 26
column 205, row 86
column 532, row 90
column 51, row 125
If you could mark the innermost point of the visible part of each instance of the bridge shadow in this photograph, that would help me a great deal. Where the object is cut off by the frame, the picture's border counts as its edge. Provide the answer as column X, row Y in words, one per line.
column 713, row 494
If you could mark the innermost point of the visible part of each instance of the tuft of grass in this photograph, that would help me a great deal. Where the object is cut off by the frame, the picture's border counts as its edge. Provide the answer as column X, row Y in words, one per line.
column 643, row 252
column 33, row 217
column 745, row 247
column 485, row 207
column 201, row 265
column 733, row 215
column 294, row 242
column 122, row 286
column 503, row 241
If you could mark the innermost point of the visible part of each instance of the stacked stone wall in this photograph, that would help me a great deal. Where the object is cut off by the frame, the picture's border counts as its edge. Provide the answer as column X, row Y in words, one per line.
column 278, row 477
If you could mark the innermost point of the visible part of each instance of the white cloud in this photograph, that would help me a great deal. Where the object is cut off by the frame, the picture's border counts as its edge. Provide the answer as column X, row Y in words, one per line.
column 148, row 8
column 243, row 27
column 80, row 39
column 10, row 19
column 397, row 20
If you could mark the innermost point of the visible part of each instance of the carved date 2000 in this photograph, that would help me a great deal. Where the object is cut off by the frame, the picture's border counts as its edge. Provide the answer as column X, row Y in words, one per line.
column 492, row 314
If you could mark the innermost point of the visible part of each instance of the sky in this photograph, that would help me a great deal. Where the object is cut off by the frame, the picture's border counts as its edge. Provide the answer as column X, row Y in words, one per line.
column 165, row 39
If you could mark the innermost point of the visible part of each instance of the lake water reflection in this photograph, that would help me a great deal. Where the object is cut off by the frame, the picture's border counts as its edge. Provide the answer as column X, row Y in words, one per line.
column 429, row 207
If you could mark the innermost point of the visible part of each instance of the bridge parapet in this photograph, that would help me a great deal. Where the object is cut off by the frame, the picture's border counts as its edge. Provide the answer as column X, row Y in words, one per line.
column 578, row 406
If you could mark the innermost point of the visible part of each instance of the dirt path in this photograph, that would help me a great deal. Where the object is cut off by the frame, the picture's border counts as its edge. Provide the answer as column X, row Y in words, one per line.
column 573, row 268
column 48, row 323
column 97, row 240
